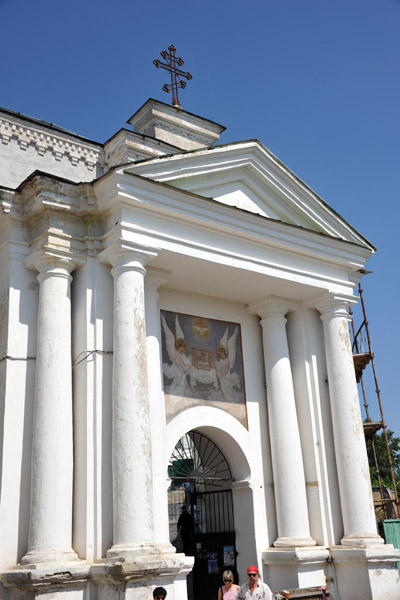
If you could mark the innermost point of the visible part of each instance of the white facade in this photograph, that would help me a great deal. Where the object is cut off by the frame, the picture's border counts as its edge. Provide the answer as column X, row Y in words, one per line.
column 95, row 240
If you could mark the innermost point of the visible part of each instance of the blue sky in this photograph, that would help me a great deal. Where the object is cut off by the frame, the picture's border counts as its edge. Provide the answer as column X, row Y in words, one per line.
column 316, row 81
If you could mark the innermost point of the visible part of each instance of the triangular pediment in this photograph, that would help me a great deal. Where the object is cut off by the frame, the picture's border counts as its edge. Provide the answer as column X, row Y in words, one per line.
column 246, row 175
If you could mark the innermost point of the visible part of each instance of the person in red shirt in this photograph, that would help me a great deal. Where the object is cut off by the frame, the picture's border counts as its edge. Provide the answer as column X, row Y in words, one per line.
column 254, row 589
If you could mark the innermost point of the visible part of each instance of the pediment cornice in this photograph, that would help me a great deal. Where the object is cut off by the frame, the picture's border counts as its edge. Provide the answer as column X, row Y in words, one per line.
column 275, row 190
column 122, row 190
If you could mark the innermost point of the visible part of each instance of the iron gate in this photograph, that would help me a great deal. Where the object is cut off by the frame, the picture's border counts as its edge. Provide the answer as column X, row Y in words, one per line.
column 213, row 512
column 201, row 480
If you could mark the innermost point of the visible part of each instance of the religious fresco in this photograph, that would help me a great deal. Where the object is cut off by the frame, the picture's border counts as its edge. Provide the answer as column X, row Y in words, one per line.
column 202, row 364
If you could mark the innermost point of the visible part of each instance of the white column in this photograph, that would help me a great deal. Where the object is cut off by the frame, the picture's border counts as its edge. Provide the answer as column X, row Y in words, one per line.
column 131, row 443
column 287, row 461
column 350, row 450
column 154, row 279
column 50, row 528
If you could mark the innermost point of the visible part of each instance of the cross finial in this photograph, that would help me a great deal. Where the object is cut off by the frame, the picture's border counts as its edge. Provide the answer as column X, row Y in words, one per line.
column 172, row 66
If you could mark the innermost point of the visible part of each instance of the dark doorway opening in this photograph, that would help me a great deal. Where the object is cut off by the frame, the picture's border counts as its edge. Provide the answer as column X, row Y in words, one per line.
column 201, row 481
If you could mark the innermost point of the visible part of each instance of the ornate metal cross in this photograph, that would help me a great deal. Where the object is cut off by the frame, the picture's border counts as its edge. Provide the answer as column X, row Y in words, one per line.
column 172, row 67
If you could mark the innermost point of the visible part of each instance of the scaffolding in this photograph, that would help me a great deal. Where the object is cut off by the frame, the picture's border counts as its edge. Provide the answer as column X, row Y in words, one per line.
column 386, row 500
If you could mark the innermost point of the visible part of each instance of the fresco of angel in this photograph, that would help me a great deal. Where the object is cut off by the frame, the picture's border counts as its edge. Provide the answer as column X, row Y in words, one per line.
column 226, row 353
column 202, row 364
column 180, row 365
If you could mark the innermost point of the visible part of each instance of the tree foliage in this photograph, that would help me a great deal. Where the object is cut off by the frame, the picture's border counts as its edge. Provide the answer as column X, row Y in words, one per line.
column 383, row 459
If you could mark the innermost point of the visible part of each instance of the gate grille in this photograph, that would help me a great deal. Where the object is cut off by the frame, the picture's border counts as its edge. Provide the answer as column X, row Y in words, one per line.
column 201, row 479
column 214, row 512
column 197, row 459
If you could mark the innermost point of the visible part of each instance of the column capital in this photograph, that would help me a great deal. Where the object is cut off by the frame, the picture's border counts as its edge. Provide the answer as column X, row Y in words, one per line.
column 51, row 261
column 123, row 254
column 155, row 278
column 272, row 306
column 333, row 305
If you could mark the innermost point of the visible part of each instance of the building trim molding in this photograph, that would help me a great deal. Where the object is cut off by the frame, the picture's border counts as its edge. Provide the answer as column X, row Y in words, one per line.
column 43, row 141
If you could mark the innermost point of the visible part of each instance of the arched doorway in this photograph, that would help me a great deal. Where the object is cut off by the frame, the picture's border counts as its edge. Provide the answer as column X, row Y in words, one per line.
column 201, row 481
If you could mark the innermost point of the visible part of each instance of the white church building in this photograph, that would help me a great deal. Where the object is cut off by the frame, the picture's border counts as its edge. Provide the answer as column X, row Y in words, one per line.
column 174, row 330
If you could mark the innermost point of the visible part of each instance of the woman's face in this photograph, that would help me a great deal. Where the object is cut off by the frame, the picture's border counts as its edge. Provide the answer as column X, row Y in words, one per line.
column 228, row 583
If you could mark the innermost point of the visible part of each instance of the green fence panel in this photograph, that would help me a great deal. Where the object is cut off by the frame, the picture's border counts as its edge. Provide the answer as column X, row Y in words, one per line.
column 391, row 528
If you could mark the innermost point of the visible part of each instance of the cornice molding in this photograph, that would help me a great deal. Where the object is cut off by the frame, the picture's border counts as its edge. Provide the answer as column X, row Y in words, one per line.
column 212, row 166
column 178, row 131
column 42, row 191
column 44, row 141
column 331, row 304
column 128, row 146
column 175, row 126
column 10, row 203
column 187, row 206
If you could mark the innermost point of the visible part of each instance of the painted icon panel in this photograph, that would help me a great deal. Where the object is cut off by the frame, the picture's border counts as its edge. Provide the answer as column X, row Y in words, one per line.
column 202, row 364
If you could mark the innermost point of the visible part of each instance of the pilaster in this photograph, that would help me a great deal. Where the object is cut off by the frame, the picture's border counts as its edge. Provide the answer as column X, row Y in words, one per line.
column 153, row 280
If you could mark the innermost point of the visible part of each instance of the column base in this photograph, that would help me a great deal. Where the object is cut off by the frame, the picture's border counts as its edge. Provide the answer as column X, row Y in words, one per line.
column 133, row 552
column 367, row 573
column 52, row 555
column 294, row 542
column 136, row 580
column 108, row 580
column 296, row 567
column 362, row 540
column 39, row 580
